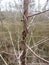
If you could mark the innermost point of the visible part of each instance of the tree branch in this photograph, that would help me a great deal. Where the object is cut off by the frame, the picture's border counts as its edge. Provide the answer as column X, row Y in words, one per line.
column 37, row 55
column 11, row 54
column 12, row 42
column 40, row 42
column 38, row 13
column 3, row 60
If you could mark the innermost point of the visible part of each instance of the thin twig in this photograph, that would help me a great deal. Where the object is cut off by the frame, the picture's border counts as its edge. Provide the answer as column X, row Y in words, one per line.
column 40, row 42
column 12, row 42
column 11, row 54
column 38, row 13
column 37, row 55
column 31, row 22
column 3, row 60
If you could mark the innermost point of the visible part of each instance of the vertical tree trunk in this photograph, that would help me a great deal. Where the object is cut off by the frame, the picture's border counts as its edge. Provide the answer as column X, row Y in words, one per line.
column 24, row 33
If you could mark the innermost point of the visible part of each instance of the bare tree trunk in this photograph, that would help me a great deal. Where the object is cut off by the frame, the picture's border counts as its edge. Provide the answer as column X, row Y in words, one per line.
column 24, row 33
